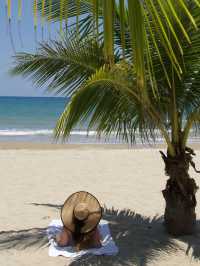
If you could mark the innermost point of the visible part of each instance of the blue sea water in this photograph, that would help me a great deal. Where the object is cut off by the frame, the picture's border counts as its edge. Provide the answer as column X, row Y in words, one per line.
column 32, row 119
column 29, row 118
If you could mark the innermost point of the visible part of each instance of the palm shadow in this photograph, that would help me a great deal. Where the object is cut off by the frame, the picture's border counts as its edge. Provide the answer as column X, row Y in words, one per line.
column 139, row 239
column 27, row 238
column 55, row 206
column 193, row 243
column 23, row 239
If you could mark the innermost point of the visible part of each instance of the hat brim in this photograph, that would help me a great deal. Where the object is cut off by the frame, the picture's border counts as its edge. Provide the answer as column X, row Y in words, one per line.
column 94, row 208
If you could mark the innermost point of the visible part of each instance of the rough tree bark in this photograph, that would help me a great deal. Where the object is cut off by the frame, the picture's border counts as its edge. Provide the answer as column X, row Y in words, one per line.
column 179, row 194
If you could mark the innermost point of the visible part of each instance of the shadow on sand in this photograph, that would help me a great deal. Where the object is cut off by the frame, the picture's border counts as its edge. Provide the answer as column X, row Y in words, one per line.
column 139, row 239
column 22, row 239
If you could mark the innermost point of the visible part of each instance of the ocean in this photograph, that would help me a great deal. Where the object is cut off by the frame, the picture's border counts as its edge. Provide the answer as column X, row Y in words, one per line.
column 32, row 119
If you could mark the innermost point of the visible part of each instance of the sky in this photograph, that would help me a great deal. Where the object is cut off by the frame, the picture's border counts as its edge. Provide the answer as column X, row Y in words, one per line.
column 18, row 86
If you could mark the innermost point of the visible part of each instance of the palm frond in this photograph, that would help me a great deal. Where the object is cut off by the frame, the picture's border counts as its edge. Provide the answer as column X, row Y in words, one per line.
column 106, row 101
column 54, row 6
column 62, row 66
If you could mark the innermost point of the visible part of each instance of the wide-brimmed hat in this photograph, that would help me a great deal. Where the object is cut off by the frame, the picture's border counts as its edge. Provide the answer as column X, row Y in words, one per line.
column 84, row 207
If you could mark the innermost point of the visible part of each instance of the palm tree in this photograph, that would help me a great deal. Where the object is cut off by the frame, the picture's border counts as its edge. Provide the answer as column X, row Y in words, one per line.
column 135, row 16
column 125, row 94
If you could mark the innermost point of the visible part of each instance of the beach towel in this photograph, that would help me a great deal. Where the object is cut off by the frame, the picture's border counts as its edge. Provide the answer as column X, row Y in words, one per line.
column 108, row 245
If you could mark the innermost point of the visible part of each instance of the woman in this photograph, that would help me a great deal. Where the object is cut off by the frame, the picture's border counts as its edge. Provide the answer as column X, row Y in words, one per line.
column 80, row 214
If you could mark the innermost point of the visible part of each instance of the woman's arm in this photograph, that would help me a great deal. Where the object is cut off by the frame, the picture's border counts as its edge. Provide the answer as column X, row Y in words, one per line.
column 64, row 238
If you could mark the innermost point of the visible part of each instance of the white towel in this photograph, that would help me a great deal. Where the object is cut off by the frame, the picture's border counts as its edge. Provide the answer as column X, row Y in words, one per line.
column 108, row 245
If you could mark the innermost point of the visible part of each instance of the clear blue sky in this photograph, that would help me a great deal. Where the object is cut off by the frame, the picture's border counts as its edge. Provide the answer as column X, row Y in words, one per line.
column 17, row 86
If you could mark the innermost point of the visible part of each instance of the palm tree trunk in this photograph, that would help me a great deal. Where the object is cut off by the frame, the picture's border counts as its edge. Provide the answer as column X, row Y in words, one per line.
column 179, row 195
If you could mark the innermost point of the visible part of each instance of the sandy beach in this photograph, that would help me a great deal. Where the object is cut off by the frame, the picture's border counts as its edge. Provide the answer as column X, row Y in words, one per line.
column 128, row 183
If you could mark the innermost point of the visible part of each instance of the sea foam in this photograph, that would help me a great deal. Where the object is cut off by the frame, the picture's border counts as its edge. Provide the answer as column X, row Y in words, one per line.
column 30, row 132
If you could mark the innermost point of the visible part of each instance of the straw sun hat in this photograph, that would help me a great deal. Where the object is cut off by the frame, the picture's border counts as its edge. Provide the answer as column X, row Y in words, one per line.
column 84, row 207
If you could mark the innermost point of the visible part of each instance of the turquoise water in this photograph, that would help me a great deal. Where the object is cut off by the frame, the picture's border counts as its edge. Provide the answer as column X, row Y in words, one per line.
column 26, row 113
column 29, row 118
column 33, row 119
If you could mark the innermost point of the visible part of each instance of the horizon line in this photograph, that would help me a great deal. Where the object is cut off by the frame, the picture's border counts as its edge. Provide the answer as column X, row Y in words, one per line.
column 24, row 96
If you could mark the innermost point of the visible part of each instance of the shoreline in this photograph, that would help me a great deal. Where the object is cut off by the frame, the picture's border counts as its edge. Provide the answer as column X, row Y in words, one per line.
column 83, row 146
column 75, row 146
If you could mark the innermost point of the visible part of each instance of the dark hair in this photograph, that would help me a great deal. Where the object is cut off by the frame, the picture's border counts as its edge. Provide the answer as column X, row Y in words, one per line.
column 82, row 241
column 78, row 236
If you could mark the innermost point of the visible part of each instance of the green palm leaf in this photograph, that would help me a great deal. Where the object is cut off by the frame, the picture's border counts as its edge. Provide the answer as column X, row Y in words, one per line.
column 62, row 66
column 108, row 104
column 160, row 15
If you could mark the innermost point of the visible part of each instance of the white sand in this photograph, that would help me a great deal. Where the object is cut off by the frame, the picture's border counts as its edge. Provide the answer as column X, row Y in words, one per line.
column 120, row 178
